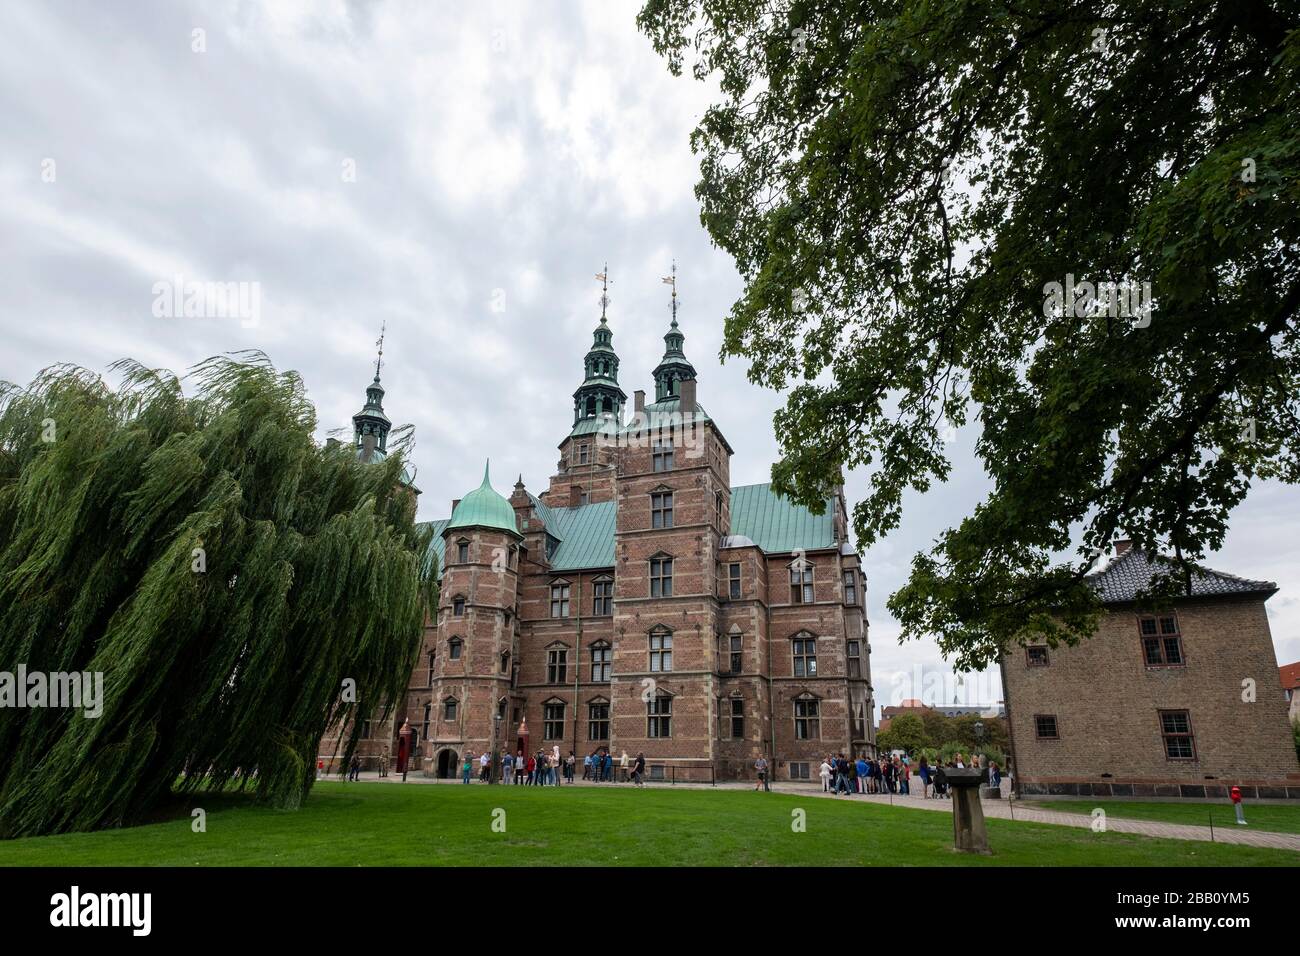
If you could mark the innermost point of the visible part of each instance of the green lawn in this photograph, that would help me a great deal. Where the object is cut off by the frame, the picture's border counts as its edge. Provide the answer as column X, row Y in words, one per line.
column 376, row 824
column 1277, row 818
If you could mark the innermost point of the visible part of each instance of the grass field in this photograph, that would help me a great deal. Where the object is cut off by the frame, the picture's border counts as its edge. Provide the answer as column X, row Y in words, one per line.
column 389, row 824
column 1276, row 818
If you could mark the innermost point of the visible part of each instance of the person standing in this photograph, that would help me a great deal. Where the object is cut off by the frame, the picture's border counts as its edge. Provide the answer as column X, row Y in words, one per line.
column 466, row 767
column 760, row 765
column 622, row 765
column 508, row 767
column 824, row 771
column 354, row 769
column 383, row 761
column 570, row 762
column 638, row 770
column 556, row 765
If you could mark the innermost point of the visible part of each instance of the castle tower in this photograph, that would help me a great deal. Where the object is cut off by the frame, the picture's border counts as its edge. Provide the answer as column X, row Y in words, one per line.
column 587, row 455
column 370, row 426
column 475, row 656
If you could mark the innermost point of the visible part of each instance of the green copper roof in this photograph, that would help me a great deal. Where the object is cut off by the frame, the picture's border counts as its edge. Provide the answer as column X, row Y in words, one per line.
column 483, row 508
column 439, row 547
column 586, row 535
column 776, row 524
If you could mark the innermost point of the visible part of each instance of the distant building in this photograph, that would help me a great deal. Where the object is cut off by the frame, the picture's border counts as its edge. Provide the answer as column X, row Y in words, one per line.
column 1291, row 688
column 913, row 706
column 1179, row 702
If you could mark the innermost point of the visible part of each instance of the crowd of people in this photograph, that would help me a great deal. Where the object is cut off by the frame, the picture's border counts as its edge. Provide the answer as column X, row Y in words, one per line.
column 893, row 774
column 548, row 768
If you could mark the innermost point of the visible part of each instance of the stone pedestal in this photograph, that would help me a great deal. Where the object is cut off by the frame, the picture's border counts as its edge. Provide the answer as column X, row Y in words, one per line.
column 969, row 834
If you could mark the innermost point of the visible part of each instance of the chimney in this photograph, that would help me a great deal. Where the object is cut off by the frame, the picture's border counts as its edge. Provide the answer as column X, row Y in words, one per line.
column 686, row 387
column 1123, row 546
column 454, row 503
column 638, row 400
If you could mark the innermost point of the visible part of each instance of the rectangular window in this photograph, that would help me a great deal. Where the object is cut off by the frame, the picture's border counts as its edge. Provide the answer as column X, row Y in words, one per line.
column 582, row 454
column 449, row 709
column 661, row 577
column 737, row 653
column 662, row 457
column 1176, row 729
column 1045, row 727
column 799, row 771
column 598, row 721
column 603, row 598
column 807, row 719
column 557, row 665
column 1162, row 644
column 659, row 717
column 855, row 658
column 661, row 652
column 458, row 607
column 737, row 718
column 453, row 648
column 553, row 721
column 850, row 587
column 1036, row 656
column 601, row 655
column 805, row 656
column 462, row 553
column 801, row 584
column 717, row 507
column 661, row 509
column 559, row 600
column 733, row 581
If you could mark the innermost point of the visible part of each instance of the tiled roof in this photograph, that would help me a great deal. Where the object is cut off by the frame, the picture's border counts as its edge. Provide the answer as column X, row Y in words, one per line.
column 765, row 519
column 1290, row 676
column 1133, row 572
column 776, row 524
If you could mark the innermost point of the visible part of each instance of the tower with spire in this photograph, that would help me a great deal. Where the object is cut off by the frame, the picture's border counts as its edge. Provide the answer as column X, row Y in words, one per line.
column 370, row 426
column 674, row 367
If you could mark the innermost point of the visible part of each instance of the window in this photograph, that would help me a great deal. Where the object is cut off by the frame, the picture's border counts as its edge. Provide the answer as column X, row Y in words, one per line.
column 737, row 718
column 367, row 728
column 601, row 657
column 850, row 587
column 1036, row 656
column 717, row 507
column 583, row 498
column 661, row 509
column 855, row 658
column 458, row 606
column 559, row 600
column 598, row 720
column 553, row 720
column 737, row 650
column 807, row 718
column 805, row 656
column 659, row 716
column 449, row 709
column 462, row 552
column 453, row 648
column 661, row 650
column 801, row 583
column 799, row 771
column 557, row 665
column 1162, row 644
column 424, row 727
column 582, row 454
column 733, row 581
column 602, row 597
column 662, row 457
column 661, row 577
column 433, row 656
column 1045, row 726
column 505, row 663
column 1176, row 728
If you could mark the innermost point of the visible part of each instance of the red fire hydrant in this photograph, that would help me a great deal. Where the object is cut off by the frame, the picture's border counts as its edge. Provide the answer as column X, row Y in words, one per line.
column 1235, row 794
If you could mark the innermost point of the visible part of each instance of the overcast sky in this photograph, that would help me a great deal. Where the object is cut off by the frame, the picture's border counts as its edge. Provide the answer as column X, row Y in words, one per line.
column 459, row 172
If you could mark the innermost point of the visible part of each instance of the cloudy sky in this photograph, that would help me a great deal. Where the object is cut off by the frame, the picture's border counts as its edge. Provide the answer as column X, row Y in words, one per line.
column 459, row 172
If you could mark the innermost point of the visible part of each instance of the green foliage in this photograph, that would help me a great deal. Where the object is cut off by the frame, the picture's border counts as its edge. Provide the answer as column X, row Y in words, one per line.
column 906, row 732
column 224, row 572
column 900, row 183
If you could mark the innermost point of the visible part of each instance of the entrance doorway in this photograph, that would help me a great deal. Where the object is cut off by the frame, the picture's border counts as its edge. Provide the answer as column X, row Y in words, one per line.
column 447, row 768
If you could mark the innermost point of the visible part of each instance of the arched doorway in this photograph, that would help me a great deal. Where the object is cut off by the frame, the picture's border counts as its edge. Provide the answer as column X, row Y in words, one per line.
column 447, row 767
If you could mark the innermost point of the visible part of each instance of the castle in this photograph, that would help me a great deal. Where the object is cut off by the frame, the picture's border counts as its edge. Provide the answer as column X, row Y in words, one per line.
column 639, row 603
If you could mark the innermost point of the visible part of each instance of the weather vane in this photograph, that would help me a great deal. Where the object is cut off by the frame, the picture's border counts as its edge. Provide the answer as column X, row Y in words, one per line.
column 603, row 279
column 380, row 345
column 672, row 281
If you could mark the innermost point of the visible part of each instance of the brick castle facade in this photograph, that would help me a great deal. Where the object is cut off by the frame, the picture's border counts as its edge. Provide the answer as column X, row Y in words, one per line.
column 639, row 602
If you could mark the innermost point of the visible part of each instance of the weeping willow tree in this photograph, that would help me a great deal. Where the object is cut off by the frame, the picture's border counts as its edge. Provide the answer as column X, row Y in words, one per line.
column 227, row 575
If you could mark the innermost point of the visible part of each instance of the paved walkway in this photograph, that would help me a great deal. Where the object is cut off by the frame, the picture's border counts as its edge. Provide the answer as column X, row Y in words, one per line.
column 993, row 809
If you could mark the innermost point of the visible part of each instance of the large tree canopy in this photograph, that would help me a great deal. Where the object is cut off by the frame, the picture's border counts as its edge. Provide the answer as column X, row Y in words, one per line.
column 901, row 183
column 223, row 572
